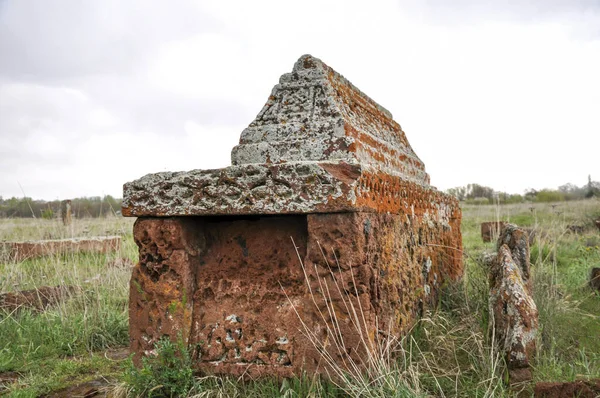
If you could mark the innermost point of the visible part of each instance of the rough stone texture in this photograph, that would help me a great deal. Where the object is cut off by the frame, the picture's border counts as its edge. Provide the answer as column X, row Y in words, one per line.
column 243, row 283
column 163, row 282
column 315, row 114
column 517, row 240
column 490, row 230
column 595, row 278
column 511, row 304
column 322, row 163
column 579, row 389
column 19, row 251
column 282, row 188
column 36, row 299
column 318, row 145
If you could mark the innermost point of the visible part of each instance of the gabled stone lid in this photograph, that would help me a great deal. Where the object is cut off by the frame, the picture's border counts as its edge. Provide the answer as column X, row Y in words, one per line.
column 315, row 114
column 318, row 145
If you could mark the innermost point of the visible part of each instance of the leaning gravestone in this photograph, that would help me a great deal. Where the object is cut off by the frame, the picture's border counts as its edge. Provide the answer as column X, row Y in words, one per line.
column 325, row 196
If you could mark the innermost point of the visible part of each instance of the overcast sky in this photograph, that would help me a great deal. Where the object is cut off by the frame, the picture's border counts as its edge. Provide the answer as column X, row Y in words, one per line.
column 97, row 93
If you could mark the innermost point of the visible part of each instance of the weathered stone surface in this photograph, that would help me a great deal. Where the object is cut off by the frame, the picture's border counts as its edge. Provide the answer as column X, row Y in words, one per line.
column 163, row 282
column 19, row 251
column 517, row 240
column 318, row 145
column 579, row 389
column 250, row 294
column 315, row 114
column 322, row 163
column 595, row 278
column 514, row 312
column 36, row 299
column 289, row 188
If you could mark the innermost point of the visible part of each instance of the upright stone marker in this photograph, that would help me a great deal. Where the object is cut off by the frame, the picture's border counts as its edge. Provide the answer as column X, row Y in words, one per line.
column 65, row 212
column 326, row 166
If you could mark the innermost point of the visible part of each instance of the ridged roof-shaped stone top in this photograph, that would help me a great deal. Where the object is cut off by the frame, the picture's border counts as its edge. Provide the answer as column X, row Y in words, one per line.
column 315, row 114
column 319, row 145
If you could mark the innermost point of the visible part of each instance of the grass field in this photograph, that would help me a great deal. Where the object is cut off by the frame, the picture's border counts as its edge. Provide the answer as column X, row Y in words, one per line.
column 448, row 353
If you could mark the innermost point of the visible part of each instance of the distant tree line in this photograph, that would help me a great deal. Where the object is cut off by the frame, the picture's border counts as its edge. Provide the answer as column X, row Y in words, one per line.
column 94, row 206
column 479, row 194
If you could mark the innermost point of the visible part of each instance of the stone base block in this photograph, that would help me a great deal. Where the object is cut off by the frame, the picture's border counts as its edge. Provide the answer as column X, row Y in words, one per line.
column 267, row 295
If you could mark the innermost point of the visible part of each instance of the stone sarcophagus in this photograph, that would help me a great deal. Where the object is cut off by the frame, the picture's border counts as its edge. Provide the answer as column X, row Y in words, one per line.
column 321, row 240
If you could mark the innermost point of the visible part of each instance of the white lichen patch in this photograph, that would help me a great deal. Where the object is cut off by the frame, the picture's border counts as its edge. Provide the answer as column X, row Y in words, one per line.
column 233, row 318
column 282, row 340
column 514, row 311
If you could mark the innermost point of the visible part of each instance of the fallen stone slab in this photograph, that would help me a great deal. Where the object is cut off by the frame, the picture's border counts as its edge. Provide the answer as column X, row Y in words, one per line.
column 326, row 212
column 19, row 251
column 36, row 299
column 515, row 315
column 572, row 389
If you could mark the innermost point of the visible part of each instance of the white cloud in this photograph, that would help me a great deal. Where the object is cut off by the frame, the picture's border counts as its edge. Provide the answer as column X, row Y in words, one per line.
column 92, row 96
